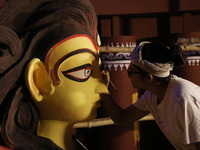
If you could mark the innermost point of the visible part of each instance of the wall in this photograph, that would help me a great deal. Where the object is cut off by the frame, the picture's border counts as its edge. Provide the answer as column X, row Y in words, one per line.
column 147, row 18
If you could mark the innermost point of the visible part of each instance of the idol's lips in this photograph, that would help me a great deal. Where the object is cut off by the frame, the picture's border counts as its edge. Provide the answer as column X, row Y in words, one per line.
column 97, row 103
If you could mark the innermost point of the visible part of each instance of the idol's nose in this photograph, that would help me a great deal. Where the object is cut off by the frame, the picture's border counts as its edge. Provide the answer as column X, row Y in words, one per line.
column 101, row 86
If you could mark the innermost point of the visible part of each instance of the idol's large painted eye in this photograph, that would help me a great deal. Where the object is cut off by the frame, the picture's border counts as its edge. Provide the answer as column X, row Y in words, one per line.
column 80, row 74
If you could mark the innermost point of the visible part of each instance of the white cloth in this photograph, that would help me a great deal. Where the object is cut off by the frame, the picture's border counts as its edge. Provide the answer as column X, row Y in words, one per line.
column 178, row 114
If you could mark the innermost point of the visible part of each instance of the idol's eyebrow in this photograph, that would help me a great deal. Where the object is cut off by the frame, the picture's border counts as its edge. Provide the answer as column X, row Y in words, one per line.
column 69, row 55
column 77, row 52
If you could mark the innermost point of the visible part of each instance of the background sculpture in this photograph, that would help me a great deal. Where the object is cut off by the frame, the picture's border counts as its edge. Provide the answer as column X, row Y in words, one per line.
column 56, row 41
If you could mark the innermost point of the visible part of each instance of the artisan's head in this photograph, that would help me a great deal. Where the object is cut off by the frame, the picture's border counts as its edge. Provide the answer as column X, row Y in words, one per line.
column 154, row 60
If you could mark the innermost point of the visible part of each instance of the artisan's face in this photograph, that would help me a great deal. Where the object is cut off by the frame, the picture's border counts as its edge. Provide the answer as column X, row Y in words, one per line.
column 136, row 76
column 74, row 68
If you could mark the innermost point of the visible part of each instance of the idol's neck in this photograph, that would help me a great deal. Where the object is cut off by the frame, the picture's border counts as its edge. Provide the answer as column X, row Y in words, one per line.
column 59, row 132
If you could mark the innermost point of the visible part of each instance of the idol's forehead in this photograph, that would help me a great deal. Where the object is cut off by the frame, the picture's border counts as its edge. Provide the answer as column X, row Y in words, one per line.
column 68, row 45
column 75, row 43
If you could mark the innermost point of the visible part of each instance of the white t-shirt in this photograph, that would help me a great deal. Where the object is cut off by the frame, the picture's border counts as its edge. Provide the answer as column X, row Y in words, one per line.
column 178, row 114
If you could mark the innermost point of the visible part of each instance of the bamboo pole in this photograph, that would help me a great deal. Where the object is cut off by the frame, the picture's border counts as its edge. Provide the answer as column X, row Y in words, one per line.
column 104, row 122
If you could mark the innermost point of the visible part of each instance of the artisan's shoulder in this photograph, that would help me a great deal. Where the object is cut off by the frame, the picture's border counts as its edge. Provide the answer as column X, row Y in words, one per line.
column 184, row 88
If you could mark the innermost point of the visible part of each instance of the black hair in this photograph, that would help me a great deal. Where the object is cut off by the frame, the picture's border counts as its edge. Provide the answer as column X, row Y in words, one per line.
column 160, row 53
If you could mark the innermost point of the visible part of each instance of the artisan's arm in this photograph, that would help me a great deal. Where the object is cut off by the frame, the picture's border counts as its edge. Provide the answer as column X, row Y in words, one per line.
column 121, row 116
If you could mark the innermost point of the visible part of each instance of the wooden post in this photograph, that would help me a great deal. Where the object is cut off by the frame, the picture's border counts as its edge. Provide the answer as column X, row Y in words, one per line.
column 187, row 22
column 116, row 27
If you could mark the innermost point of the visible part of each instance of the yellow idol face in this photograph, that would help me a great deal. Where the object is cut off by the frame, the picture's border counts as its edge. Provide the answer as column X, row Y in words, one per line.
column 74, row 70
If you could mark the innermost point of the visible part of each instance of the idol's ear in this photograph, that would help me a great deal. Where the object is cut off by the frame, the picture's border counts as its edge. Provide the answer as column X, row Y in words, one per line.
column 37, row 80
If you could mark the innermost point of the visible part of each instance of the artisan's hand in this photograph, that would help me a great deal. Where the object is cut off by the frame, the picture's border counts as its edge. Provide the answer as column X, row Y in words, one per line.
column 106, row 76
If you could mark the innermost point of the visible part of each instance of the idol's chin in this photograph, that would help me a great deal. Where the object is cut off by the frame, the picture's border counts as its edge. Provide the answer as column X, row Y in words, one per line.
column 92, row 116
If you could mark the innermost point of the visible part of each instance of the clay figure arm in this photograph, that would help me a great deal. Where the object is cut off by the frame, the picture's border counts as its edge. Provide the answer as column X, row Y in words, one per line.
column 119, row 115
